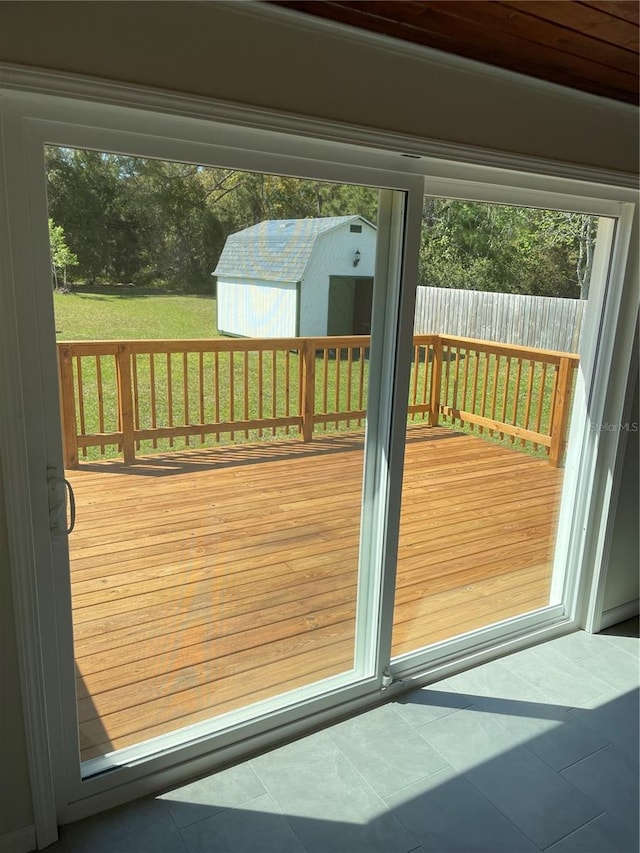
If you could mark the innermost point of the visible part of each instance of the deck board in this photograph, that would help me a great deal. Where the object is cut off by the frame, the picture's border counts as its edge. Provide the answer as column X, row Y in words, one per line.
column 205, row 580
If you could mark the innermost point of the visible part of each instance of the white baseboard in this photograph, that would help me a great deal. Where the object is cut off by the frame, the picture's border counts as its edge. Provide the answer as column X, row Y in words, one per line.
column 19, row 841
column 619, row 614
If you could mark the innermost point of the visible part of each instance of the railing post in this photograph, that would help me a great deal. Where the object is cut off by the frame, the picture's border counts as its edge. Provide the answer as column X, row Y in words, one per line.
column 125, row 402
column 67, row 407
column 560, row 414
column 308, row 354
column 436, row 382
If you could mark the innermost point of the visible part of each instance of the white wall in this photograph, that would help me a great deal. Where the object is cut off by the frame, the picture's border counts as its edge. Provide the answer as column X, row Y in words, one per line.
column 333, row 255
column 214, row 50
column 255, row 308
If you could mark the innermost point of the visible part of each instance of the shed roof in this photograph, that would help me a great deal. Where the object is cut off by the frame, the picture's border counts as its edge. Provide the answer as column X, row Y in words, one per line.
column 277, row 249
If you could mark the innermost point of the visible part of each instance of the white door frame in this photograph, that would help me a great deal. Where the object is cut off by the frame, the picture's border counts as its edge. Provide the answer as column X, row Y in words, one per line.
column 165, row 123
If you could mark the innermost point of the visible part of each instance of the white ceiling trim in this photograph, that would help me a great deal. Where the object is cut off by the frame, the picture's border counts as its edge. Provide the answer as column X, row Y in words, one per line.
column 48, row 84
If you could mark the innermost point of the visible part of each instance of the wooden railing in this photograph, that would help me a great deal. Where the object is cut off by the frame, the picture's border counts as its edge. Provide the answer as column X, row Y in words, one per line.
column 144, row 395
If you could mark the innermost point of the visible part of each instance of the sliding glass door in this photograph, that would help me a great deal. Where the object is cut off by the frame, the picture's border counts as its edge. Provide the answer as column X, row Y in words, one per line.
column 223, row 342
column 504, row 295
column 295, row 488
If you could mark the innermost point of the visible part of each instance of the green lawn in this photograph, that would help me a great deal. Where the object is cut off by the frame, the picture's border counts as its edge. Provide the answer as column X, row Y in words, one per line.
column 127, row 315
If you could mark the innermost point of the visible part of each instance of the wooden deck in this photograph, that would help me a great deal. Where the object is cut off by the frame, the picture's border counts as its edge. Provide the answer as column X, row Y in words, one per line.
column 208, row 579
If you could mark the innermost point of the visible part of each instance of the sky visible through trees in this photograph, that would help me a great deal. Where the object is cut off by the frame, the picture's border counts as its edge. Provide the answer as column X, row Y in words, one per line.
column 150, row 223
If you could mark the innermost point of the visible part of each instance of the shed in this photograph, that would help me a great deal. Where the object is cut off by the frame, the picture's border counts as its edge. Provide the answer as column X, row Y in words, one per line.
column 297, row 277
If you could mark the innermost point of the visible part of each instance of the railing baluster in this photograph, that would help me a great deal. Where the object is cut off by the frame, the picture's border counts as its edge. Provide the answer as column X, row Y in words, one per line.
column 152, row 396
column 301, row 381
column 80, row 381
column 325, row 382
column 246, row 390
column 337, row 398
column 287, row 388
column 560, row 417
column 260, row 389
column 485, row 382
column 541, row 392
column 467, row 359
column 527, row 410
column 494, row 392
column 456, row 381
column 516, row 397
column 274, row 384
column 425, row 380
column 308, row 385
column 361, row 358
column 436, row 383
column 136, row 396
column 216, row 391
column 474, row 388
column 185, row 392
column 349, row 369
column 169, row 397
column 414, row 378
column 201, row 391
column 100, row 401
column 505, row 397
column 232, row 411
column 446, row 366
column 125, row 402
column 68, row 407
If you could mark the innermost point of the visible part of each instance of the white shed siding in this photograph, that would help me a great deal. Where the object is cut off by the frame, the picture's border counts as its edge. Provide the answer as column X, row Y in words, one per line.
column 256, row 308
column 333, row 256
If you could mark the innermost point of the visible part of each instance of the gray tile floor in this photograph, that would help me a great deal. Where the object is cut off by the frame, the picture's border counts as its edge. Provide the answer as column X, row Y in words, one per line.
column 536, row 751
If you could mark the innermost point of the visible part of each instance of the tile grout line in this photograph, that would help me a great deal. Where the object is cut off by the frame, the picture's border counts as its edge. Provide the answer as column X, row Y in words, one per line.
column 493, row 805
column 278, row 806
column 585, row 757
column 573, row 831
column 375, row 793
column 552, row 769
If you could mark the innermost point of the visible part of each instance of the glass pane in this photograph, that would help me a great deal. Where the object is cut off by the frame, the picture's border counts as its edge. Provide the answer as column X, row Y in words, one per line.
column 498, row 321
column 213, row 338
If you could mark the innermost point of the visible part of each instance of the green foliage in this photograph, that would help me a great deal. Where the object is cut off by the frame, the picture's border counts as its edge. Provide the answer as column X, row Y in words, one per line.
column 507, row 249
column 149, row 222
column 61, row 255
column 142, row 221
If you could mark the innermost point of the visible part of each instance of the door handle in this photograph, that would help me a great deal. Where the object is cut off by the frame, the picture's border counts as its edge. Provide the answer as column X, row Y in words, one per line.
column 57, row 503
column 72, row 506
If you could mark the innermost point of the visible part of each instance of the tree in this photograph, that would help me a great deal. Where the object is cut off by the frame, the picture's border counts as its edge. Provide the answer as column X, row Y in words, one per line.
column 87, row 194
column 149, row 221
column 61, row 255
column 494, row 247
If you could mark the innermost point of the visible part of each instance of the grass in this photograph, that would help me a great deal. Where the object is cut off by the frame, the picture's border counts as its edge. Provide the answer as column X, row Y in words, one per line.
column 101, row 316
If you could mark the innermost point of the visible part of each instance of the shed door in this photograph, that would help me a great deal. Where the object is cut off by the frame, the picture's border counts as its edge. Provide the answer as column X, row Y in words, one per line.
column 350, row 302
column 362, row 301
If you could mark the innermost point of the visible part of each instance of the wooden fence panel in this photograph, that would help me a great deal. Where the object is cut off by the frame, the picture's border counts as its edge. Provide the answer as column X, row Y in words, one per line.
column 541, row 322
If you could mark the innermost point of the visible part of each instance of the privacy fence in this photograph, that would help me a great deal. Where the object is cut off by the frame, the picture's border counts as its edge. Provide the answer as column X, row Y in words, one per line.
column 543, row 322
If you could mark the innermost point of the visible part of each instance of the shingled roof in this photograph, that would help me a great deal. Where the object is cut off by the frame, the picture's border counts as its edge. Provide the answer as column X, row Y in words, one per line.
column 277, row 249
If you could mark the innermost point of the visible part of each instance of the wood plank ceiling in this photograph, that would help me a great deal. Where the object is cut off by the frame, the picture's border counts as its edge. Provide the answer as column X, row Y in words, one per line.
column 591, row 46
